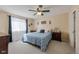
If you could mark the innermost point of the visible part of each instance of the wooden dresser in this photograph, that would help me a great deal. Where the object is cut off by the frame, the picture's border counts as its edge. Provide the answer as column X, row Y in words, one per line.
column 56, row 36
column 4, row 39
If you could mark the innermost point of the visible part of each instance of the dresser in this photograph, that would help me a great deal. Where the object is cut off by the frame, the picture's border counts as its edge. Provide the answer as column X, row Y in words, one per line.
column 4, row 39
column 56, row 36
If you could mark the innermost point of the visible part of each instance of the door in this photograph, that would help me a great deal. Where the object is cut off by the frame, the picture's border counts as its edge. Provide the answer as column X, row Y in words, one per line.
column 77, row 32
column 72, row 28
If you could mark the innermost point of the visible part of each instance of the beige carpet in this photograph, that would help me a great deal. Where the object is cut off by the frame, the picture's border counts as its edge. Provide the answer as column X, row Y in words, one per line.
column 55, row 47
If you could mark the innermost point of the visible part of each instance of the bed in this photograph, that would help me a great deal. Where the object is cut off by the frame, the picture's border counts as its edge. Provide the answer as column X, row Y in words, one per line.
column 37, row 38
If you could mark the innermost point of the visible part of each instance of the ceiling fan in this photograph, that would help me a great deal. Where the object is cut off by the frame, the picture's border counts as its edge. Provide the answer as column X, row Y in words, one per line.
column 39, row 10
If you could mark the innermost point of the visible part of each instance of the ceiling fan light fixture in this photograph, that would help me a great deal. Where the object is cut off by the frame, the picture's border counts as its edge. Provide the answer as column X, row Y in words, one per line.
column 39, row 10
column 39, row 13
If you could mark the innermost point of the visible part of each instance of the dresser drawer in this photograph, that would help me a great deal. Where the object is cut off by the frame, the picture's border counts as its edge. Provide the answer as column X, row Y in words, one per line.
column 4, row 44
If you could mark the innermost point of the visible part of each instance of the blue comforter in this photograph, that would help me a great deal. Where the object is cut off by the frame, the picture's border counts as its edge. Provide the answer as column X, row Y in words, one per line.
column 40, row 39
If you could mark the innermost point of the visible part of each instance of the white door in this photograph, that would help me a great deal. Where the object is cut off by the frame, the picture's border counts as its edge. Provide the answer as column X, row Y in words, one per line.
column 72, row 28
column 77, row 32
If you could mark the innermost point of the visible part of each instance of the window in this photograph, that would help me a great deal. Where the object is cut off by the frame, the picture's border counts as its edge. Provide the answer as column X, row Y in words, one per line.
column 18, row 24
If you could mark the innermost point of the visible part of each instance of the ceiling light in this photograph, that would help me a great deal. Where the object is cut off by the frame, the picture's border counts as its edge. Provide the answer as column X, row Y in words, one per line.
column 39, row 13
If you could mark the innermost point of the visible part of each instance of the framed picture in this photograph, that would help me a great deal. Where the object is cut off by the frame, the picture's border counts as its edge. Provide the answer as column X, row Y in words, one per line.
column 49, row 22
column 31, row 24
column 43, row 22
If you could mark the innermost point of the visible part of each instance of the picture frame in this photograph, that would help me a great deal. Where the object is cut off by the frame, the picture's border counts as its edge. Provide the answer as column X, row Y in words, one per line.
column 43, row 22
column 49, row 22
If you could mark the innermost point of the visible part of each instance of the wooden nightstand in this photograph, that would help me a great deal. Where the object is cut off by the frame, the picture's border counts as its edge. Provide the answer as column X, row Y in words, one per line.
column 56, row 36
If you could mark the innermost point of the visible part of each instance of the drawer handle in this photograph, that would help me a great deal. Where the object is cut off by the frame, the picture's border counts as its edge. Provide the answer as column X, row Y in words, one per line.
column 3, row 51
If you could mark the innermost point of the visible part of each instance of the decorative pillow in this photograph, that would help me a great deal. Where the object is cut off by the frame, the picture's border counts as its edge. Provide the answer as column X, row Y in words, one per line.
column 42, row 31
column 38, row 31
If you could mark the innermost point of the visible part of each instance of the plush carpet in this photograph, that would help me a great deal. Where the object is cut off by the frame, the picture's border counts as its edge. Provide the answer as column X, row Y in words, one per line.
column 55, row 47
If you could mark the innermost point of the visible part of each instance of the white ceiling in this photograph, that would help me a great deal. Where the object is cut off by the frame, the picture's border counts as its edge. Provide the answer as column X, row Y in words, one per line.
column 22, row 10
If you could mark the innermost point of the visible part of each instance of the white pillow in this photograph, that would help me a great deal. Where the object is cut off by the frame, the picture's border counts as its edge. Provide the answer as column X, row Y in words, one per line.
column 46, row 31
column 38, row 31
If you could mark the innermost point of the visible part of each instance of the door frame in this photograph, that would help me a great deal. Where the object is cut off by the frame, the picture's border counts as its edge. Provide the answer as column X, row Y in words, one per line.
column 74, row 28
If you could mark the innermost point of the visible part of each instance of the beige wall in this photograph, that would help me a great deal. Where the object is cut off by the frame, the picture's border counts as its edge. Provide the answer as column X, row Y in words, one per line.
column 31, row 24
column 3, row 22
column 58, row 21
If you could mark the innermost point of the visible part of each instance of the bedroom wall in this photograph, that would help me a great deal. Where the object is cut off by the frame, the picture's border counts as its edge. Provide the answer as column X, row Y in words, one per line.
column 58, row 21
column 31, row 24
column 3, row 22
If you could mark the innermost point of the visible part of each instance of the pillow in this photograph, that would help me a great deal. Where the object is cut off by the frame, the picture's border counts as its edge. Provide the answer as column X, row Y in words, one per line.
column 42, row 31
column 38, row 31
column 47, row 31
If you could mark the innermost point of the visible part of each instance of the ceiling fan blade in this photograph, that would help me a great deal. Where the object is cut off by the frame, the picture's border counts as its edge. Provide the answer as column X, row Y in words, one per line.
column 33, row 10
column 35, row 13
column 46, row 11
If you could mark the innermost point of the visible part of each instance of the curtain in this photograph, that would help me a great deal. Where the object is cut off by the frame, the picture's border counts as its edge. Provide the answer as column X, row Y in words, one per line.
column 10, row 30
column 26, row 25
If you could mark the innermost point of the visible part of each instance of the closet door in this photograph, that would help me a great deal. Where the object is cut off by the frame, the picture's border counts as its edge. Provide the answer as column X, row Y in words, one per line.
column 77, row 32
column 72, row 28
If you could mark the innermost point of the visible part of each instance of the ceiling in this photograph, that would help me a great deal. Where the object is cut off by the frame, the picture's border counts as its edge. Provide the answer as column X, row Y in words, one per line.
column 22, row 10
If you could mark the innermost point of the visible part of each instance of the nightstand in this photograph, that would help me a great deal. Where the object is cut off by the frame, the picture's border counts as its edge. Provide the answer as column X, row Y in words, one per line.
column 56, row 36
